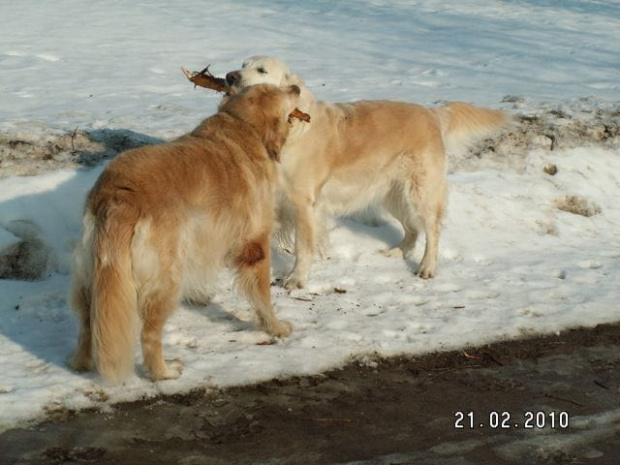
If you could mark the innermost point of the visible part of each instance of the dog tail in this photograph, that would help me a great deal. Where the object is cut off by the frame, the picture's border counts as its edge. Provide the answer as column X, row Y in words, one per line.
column 462, row 125
column 114, row 310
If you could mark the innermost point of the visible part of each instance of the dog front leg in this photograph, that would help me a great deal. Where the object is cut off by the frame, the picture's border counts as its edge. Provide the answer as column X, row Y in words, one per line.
column 305, row 232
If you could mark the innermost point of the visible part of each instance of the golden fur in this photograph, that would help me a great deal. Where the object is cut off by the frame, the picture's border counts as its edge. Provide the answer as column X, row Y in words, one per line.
column 354, row 155
column 162, row 220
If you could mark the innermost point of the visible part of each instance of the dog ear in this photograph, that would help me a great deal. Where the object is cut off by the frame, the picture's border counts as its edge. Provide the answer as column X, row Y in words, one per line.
column 274, row 138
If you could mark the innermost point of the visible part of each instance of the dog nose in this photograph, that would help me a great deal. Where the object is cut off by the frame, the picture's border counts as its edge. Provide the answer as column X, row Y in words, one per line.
column 233, row 78
column 295, row 89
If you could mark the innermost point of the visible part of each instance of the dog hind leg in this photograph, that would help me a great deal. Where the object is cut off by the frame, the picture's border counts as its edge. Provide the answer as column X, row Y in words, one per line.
column 430, row 200
column 423, row 203
column 253, row 268
column 399, row 205
column 156, row 308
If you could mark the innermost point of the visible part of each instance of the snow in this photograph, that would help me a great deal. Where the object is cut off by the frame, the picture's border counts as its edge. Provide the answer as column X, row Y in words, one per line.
column 511, row 262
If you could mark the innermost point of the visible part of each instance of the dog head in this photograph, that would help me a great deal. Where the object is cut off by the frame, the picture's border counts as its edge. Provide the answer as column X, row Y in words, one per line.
column 262, row 70
column 266, row 108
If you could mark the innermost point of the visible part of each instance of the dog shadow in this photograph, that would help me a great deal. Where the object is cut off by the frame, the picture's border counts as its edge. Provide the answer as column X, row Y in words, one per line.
column 217, row 314
column 368, row 223
column 373, row 226
column 107, row 143
column 379, row 226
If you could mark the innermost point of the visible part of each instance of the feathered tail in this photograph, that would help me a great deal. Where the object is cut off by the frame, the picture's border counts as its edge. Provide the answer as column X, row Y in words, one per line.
column 463, row 124
column 114, row 309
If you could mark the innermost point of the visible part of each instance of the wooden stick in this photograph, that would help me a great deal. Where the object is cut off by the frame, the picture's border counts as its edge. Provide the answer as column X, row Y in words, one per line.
column 207, row 80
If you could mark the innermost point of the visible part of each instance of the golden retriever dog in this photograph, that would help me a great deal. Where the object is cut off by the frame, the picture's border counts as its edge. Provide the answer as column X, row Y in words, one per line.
column 160, row 222
column 353, row 155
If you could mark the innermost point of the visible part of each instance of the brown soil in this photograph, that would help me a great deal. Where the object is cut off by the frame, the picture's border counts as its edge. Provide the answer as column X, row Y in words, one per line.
column 395, row 411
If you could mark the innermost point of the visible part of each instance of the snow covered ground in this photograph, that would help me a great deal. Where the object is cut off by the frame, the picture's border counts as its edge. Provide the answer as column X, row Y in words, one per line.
column 511, row 263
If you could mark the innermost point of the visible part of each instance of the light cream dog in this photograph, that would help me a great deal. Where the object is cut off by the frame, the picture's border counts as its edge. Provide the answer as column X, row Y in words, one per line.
column 162, row 220
column 352, row 155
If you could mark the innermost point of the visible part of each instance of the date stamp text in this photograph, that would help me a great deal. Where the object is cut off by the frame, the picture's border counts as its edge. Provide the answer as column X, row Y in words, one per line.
column 508, row 420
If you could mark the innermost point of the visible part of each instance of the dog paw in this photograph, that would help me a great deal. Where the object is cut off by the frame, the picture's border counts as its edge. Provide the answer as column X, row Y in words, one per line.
column 281, row 329
column 425, row 272
column 173, row 370
column 293, row 282
column 396, row 252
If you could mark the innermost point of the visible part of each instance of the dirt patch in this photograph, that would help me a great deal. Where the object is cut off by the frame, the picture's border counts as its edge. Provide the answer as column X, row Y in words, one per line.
column 38, row 150
column 577, row 205
column 35, row 150
column 551, row 399
column 579, row 124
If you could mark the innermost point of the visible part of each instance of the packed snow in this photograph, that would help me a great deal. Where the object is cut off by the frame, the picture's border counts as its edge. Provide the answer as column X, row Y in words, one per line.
column 522, row 251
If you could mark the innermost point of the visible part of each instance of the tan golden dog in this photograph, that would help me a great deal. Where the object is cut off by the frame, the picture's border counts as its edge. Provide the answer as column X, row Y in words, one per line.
column 354, row 155
column 162, row 220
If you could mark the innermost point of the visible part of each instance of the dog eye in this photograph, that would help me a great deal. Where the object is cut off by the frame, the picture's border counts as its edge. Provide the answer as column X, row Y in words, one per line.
column 262, row 70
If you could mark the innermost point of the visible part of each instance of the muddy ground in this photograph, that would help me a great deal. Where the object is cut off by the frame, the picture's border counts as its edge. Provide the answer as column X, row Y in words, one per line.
column 547, row 400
